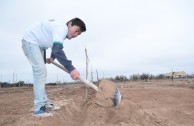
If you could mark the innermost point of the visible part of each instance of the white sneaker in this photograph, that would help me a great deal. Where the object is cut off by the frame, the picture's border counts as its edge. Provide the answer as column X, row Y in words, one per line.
column 45, row 114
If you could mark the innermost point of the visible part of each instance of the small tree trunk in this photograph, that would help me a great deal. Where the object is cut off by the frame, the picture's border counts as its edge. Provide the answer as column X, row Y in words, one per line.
column 87, row 60
column 97, row 75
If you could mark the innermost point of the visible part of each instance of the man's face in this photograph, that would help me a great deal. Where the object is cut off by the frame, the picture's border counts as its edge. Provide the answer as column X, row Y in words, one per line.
column 73, row 31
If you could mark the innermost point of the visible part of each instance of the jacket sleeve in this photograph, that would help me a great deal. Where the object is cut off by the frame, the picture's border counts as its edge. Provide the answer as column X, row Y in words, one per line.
column 59, row 54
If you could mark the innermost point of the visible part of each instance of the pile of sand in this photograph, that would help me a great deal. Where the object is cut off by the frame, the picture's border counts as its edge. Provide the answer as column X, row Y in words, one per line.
column 106, row 92
column 99, row 111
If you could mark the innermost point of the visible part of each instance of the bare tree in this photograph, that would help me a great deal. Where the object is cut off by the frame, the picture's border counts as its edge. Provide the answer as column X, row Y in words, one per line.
column 91, row 74
column 144, row 76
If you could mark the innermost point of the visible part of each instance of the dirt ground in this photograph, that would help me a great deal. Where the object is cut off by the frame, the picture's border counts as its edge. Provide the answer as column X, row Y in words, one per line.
column 153, row 103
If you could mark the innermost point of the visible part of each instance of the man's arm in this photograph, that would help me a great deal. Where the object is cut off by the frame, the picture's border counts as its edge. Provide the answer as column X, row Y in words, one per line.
column 59, row 54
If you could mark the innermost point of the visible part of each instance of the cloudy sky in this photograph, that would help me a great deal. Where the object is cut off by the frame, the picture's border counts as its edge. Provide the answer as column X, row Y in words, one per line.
column 123, row 37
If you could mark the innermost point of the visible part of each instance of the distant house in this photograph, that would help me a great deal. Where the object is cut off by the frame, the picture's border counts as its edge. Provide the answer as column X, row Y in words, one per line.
column 176, row 74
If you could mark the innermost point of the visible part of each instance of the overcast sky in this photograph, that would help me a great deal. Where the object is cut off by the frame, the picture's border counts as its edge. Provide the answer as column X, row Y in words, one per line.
column 123, row 37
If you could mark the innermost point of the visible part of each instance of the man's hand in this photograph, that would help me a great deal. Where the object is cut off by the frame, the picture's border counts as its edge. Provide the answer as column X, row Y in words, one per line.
column 74, row 74
column 48, row 60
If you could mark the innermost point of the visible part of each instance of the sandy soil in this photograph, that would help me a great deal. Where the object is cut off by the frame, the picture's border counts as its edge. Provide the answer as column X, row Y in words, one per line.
column 153, row 103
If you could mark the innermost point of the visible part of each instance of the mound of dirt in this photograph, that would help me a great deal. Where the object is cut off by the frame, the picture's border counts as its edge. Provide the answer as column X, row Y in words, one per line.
column 78, row 111
column 99, row 110
column 126, row 114
column 106, row 93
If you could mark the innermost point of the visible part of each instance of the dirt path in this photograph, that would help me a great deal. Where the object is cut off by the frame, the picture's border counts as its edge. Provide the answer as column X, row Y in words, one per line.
column 175, row 105
column 147, row 105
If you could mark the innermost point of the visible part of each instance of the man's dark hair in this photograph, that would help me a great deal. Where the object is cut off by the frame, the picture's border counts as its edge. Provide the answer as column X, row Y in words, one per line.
column 78, row 22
